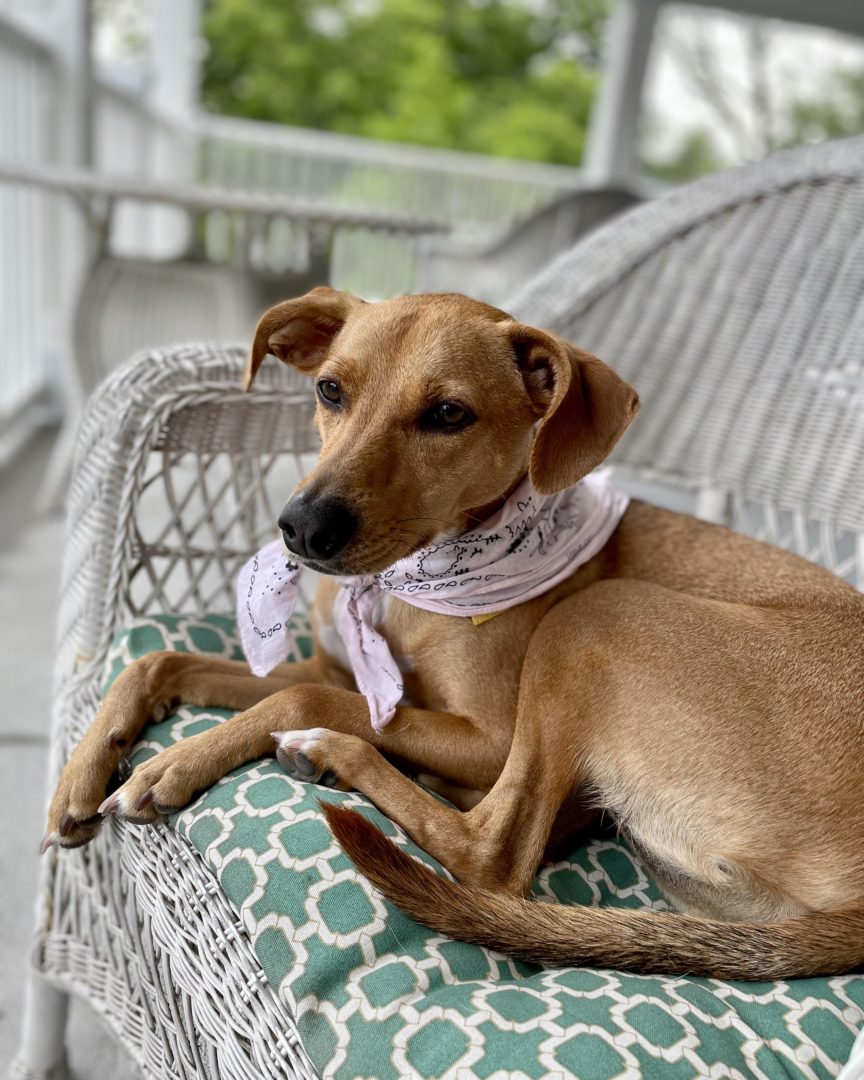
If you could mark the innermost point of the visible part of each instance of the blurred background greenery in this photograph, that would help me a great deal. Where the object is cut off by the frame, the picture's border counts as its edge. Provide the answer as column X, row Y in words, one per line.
column 516, row 79
column 495, row 75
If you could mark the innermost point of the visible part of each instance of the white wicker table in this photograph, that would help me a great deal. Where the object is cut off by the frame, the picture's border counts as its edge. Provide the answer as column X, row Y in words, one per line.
column 88, row 186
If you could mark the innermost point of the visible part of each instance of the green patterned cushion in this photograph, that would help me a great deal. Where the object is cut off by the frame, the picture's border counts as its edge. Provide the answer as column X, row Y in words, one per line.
column 376, row 995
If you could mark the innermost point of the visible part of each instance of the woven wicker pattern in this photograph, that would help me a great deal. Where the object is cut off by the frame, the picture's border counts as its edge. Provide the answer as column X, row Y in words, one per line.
column 179, row 475
column 737, row 308
column 136, row 922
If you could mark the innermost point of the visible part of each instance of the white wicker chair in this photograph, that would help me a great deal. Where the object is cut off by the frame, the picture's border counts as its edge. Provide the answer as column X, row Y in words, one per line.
column 737, row 308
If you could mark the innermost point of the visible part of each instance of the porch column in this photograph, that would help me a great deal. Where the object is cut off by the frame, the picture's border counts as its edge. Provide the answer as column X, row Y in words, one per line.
column 174, row 74
column 611, row 155
column 175, row 57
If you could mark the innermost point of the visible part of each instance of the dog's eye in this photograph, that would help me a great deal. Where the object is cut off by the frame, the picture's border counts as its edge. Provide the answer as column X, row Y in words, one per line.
column 447, row 416
column 329, row 392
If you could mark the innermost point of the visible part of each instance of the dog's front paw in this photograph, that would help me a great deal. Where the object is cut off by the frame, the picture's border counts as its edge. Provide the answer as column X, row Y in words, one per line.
column 73, row 816
column 69, row 825
column 141, row 694
column 312, row 755
column 161, row 785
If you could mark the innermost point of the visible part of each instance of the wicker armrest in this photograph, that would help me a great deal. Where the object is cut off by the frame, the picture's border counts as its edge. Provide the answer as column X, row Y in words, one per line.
column 167, row 410
column 136, row 921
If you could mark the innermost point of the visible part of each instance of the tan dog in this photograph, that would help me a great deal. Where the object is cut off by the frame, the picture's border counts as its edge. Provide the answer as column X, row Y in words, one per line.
column 704, row 690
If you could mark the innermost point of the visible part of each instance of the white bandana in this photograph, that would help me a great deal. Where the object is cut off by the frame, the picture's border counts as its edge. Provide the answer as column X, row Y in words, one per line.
column 523, row 550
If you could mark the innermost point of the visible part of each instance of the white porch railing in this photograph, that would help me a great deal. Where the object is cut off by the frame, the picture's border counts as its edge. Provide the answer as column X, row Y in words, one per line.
column 478, row 197
column 132, row 139
column 466, row 190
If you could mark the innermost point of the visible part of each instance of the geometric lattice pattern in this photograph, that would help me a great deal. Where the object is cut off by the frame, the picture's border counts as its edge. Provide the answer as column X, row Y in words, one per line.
column 199, row 516
column 374, row 994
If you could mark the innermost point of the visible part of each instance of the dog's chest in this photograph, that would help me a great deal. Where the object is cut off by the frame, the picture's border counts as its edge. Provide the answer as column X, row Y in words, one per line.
column 330, row 640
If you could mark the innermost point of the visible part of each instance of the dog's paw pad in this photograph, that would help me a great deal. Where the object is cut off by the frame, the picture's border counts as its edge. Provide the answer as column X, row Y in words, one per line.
column 296, row 753
column 163, row 709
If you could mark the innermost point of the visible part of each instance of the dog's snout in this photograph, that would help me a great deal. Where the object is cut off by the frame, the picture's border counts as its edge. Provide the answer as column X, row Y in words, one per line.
column 317, row 528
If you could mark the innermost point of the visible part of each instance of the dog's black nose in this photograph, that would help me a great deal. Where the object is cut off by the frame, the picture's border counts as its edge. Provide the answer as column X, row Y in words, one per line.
column 316, row 528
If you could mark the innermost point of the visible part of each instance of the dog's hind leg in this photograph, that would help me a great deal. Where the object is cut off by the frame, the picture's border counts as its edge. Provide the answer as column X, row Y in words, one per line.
column 564, row 694
column 500, row 842
column 497, row 844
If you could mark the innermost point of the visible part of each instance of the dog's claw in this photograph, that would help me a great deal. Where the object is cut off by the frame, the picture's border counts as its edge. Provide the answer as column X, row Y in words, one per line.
column 118, row 804
column 110, row 806
column 68, row 824
column 71, row 832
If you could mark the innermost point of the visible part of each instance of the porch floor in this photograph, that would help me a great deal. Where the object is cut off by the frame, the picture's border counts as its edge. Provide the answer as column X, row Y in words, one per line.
column 30, row 557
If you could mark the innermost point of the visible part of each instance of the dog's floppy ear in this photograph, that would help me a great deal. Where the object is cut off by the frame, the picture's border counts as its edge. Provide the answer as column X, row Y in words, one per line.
column 584, row 406
column 300, row 331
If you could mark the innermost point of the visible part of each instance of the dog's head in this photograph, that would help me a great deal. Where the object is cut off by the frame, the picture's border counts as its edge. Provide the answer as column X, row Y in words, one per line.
column 431, row 409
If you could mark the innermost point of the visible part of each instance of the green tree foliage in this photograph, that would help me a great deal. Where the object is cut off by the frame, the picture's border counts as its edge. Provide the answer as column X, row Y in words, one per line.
column 495, row 76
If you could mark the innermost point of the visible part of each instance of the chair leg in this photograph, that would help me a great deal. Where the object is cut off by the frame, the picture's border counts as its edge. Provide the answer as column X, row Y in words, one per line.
column 53, row 489
column 42, row 1053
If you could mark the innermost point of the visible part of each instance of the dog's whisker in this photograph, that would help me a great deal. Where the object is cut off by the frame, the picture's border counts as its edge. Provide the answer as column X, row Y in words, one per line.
column 420, row 517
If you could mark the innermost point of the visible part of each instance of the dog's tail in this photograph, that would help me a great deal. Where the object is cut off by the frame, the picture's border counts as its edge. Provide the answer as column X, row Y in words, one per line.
column 824, row 943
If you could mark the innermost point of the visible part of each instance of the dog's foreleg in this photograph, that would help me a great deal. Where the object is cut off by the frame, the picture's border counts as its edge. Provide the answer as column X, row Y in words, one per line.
column 347, row 752
column 144, row 693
